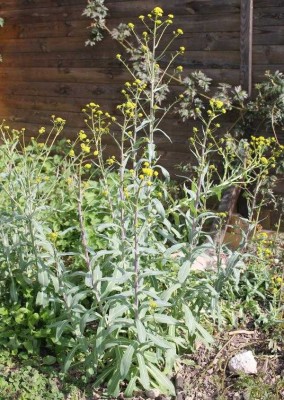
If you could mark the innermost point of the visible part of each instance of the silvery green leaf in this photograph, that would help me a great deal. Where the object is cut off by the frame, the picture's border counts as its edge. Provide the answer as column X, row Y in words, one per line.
column 204, row 334
column 149, row 272
column 189, row 319
column 102, row 227
column 102, row 377
column 43, row 278
column 141, row 331
column 69, row 358
column 159, row 207
column 159, row 341
column 55, row 282
column 60, row 327
column 166, row 295
column 162, row 319
column 171, row 358
column 162, row 380
column 144, row 377
column 116, row 312
column 126, row 361
column 113, row 384
column 174, row 249
column 131, row 387
column 42, row 299
column 184, row 271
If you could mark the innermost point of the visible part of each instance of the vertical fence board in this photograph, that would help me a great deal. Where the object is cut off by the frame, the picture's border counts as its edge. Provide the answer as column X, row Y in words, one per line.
column 246, row 44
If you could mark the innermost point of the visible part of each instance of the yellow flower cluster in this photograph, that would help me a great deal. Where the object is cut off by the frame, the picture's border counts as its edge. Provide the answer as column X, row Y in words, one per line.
column 82, row 135
column 85, row 148
column 110, row 161
column 53, row 236
column 158, row 11
column 215, row 103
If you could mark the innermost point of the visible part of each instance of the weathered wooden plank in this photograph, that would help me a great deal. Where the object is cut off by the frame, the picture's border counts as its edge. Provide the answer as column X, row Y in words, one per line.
column 189, row 23
column 268, row 35
column 268, row 55
column 31, row 36
column 269, row 16
column 92, row 75
column 134, row 7
column 246, row 44
column 267, row 3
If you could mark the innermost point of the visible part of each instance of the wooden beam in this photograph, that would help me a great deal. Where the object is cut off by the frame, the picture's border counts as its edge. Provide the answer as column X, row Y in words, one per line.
column 246, row 44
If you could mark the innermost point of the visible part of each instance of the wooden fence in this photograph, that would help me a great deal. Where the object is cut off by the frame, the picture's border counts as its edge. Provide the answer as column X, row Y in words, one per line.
column 48, row 70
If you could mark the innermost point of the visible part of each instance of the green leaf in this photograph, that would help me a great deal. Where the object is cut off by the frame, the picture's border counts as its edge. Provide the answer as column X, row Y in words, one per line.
column 189, row 319
column 113, row 384
column 141, row 331
column 159, row 341
column 126, row 361
column 43, row 278
column 162, row 319
column 60, row 329
column 102, row 377
column 69, row 358
column 42, row 299
column 144, row 377
column 159, row 207
column 184, row 271
column 166, row 295
column 131, row 387
column 173, row 249
column 116, row 312
column 49, row 360
column 162, row 380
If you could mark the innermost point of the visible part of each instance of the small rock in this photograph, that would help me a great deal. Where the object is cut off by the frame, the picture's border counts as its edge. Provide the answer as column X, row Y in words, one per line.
column 153, row 393
column 243, row 363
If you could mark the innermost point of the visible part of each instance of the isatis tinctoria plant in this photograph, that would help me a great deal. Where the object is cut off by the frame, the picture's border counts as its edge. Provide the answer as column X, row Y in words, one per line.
column 96, row 255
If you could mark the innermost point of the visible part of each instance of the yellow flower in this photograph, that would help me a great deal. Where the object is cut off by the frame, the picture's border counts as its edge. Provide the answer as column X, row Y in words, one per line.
column 179, row 68
column 93, row 105
column 158, row 11
column 85, row 148
column 141, row 177
column 130, row 25
column 182, row 49
column 82, row 135
column 60, row 120
column 53, row 236
column 41, row 145
column 141, row 17
column 171, row 16
column 147, row 171
column 41, row 130
column 264, row 160
column 118, row 56
column 146, row 164
column 96, row 153
column 110, row 161
column 71, row 153
column 153, row 304
column 156, row 173
column 88, row 166
column 179, row 31
column 130, row 105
